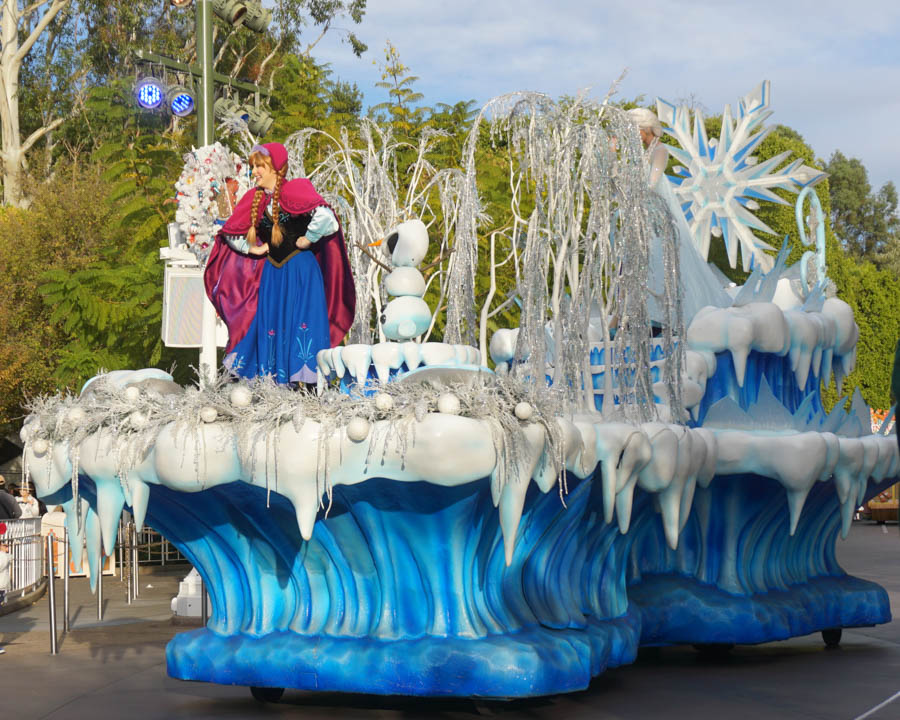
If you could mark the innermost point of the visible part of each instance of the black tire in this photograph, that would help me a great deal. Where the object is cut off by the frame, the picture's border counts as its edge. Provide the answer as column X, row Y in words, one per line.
column 832, row 637
column 266, row 694
column 714, row 650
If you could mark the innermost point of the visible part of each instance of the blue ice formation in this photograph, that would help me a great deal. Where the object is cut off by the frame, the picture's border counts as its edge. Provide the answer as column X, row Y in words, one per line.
column 428, row 575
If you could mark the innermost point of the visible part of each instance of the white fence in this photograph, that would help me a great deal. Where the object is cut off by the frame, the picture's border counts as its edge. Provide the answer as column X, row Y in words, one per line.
column 23, row 537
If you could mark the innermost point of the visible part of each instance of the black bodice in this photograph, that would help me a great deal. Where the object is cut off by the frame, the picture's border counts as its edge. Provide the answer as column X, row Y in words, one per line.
column 292, row 227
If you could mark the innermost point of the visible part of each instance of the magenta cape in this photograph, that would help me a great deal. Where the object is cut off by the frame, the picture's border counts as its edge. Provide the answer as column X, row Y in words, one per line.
column 232, row 278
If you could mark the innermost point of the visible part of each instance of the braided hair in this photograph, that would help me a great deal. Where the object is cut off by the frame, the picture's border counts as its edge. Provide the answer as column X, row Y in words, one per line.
column 276, row 208
column 258, row 196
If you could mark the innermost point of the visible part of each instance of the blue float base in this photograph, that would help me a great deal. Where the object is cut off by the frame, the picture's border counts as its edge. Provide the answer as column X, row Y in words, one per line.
column 536, row 661
column 678, row 610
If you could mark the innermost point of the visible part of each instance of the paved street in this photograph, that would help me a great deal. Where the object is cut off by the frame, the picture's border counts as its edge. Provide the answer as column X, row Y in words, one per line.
column 116, row 669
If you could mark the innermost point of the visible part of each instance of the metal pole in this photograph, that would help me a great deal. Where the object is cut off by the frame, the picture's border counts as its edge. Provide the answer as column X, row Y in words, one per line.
column 165, row 550
column 204, row 614
column 119, row 539
column 51, row 581
column 206, row 135
column 206, row 130
column 136, row 563
column 100, row 589
column 126, row 536
column 65, row 560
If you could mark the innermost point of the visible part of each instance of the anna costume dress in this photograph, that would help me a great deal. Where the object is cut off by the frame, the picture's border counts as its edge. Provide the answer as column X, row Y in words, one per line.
column 281, row 309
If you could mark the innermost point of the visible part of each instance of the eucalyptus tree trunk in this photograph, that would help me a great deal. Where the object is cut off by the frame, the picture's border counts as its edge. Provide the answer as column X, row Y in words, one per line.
column 16, row 15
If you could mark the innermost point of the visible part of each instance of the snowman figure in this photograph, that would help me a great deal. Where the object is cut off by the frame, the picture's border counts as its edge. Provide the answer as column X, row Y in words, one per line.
column 407, row 315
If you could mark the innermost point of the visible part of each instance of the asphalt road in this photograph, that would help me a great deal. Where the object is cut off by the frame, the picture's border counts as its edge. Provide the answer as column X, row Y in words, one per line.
column 116, row 669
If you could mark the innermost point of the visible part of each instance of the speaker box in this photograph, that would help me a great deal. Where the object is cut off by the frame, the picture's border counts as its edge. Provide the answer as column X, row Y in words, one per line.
column 182, row 314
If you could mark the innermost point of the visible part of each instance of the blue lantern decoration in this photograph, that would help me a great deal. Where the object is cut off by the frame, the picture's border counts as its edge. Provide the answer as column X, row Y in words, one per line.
column 149, row 93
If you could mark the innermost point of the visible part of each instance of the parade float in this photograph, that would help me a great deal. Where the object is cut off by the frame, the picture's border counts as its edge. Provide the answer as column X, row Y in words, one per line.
column 433, row 522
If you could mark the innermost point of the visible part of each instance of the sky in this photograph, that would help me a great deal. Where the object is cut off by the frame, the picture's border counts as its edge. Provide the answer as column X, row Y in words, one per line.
column 834, row 66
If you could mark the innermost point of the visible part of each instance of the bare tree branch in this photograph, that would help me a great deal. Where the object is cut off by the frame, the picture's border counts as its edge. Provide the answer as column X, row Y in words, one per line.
column 309, row 48
column 39, row 133
column 45, row 20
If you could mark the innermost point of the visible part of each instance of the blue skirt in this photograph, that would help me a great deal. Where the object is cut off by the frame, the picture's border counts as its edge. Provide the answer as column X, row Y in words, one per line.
column 290, row 326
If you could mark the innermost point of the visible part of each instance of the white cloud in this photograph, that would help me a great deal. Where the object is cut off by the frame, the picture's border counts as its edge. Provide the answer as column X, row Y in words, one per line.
column 834, row 66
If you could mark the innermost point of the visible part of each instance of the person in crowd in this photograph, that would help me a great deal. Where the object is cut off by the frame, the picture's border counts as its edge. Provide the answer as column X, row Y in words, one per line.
column 9, row 508
column 30, row 505
column 279, row 275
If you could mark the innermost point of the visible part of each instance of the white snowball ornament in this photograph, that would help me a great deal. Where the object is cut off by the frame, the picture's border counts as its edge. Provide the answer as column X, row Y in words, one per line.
column 40, row 446
column 448, row 404
column 358, row 429
column 240, row 396
column 524, row 411
column 208, row 414
column 76, row 416
column 132, row 394
column 384, row 402
column 137, row 419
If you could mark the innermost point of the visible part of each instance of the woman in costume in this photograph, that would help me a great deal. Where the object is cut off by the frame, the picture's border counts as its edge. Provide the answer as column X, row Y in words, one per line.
column 700, row 287
column 278, row 275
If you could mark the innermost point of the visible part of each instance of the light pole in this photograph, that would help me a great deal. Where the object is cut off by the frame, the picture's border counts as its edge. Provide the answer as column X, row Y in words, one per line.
column 206, row 135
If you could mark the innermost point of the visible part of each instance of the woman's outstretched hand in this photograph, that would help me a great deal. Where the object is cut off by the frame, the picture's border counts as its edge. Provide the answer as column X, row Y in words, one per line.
column 303, row 243
column 259, row 249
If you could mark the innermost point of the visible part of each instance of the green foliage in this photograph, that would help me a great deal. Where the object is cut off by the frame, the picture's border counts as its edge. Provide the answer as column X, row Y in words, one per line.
column 307, row 97
column 400, row 110
column 63, row 231
column 867, row 223
column 110, row 311
column 456, row 121
column 874, row 296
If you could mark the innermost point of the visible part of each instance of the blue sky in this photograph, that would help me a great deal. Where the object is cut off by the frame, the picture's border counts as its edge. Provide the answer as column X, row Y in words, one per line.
column 834, row 66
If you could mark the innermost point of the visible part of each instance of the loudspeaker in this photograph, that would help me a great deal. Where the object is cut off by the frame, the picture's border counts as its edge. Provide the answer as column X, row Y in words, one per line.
column 182, row 313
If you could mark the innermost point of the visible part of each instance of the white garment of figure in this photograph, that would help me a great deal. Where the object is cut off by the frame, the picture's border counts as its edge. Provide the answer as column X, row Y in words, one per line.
column 30, row 507
column 4, row 570
column 700, row 286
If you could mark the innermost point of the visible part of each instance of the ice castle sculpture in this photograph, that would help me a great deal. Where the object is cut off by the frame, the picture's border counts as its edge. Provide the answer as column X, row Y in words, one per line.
column 463, row 533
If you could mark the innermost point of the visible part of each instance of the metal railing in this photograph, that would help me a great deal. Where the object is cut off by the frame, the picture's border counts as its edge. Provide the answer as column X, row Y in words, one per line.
column 26, row 568
column 33, row 559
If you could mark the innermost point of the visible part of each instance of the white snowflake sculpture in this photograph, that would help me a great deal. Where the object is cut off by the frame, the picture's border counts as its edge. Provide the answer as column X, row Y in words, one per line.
column 212, row 180
column 719, row 181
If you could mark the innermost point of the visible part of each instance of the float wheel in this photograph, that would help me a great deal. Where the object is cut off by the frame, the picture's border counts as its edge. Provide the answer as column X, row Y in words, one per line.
column 266, row 694
column 832, row 637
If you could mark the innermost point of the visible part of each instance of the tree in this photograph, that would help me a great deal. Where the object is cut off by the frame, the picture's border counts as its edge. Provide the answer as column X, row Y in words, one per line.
column 867, row 223
column 455, row 120
column 111, row 309
column 21, row 25
column 400, row 109
column 307, row 97
column 64, row 228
